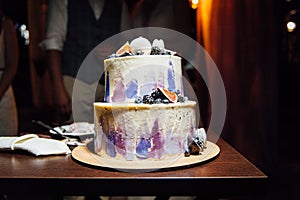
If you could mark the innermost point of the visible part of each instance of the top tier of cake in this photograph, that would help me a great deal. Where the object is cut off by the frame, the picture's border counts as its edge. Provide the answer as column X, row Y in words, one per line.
column 132, row 76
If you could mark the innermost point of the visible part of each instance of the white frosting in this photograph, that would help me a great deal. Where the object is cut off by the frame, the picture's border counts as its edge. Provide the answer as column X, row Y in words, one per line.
column 131, row 76
column 129, row 131
column 123, row 129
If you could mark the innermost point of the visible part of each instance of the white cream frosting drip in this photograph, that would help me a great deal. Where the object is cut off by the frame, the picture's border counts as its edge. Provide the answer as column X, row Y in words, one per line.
column 124, row 130
column 144, row 73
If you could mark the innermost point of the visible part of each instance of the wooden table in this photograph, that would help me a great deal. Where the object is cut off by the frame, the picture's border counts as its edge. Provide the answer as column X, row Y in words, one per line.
column 229, row 174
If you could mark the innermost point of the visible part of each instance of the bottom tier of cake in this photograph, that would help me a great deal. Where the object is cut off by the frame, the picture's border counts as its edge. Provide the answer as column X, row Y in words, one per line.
column 130, row 131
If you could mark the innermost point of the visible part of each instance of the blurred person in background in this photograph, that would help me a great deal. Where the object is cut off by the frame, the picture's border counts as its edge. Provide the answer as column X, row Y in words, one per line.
column 74, row 28
column 9, row 56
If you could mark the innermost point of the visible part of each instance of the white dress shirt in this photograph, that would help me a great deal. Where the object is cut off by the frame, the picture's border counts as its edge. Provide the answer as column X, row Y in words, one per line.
column 57, row 20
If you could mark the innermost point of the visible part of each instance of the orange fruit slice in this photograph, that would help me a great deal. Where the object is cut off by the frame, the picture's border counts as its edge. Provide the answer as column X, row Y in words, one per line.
column 124, row 49
column 171, row 96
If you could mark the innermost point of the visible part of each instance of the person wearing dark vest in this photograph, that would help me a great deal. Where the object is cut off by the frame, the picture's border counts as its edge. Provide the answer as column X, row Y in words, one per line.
column 74, row 28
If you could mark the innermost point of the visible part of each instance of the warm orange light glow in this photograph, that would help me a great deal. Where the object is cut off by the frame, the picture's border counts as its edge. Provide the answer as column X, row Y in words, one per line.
column 203, row 22
column 194, row 3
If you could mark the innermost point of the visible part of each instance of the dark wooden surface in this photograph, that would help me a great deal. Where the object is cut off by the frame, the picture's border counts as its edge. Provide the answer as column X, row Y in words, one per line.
column 229, row 174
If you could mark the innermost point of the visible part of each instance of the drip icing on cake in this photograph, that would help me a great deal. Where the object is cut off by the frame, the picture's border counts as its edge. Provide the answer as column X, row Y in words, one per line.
column 146, row 115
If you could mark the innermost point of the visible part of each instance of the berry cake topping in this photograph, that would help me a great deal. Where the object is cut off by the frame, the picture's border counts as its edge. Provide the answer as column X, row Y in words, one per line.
column 161, row 95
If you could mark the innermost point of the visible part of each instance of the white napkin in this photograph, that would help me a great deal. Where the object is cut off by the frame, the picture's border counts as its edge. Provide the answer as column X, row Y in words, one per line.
column 34, row 144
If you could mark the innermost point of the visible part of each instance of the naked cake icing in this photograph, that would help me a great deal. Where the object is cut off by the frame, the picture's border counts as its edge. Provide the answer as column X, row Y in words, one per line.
column 145, row 114
column 131, row 76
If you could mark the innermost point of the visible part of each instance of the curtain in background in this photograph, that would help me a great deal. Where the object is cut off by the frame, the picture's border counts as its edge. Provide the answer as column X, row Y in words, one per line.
column 40, row 81
column 240, row 37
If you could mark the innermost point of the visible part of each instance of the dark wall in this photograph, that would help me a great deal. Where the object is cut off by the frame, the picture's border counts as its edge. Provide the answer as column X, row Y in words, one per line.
column 289, row 81
column 17, row 11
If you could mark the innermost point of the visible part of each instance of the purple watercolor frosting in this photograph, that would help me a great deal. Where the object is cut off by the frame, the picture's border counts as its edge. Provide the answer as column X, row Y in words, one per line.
column 131, row 89
column 171, row 77
column 119, row 94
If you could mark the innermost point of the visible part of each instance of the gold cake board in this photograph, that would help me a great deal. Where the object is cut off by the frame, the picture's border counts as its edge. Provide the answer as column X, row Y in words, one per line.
column 84, row 155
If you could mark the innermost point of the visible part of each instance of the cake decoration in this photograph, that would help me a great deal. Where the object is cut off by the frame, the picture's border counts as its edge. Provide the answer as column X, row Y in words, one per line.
column 158, row 43
column 119, row 92
column 171, row 77
column 124, row 50
column 146, row 115
column 140, row 46
column 161, row 95
column 107, row 90
column 198, row 143
column 131, row 89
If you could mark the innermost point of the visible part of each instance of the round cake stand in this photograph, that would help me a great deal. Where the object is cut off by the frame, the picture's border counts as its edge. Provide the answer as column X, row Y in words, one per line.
column 84, row 155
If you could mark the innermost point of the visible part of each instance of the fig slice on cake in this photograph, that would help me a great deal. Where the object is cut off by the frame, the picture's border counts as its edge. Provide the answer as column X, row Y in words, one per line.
column 125, row 49
column 171, row 96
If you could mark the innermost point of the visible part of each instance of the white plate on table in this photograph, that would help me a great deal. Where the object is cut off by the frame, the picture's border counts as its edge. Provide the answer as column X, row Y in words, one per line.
column 75, row 129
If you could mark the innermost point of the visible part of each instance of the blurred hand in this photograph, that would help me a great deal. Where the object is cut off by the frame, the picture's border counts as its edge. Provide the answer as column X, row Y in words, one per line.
column 62, row 106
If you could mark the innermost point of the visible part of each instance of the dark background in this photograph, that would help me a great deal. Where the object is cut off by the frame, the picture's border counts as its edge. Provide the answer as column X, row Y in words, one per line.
column 284, row 173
